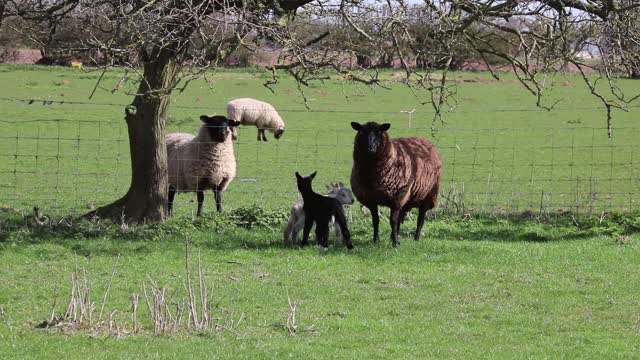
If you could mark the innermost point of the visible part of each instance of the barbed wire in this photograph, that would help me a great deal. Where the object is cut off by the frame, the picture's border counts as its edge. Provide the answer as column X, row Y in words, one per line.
column 196, row 107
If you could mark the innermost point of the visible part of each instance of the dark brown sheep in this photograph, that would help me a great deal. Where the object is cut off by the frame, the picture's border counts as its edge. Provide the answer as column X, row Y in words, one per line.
column 401, row 174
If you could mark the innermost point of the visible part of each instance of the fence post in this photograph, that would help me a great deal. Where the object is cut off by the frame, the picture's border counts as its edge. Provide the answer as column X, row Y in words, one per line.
column 410, row 112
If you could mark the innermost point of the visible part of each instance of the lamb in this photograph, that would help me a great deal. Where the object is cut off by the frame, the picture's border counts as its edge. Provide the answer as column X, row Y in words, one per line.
column 320, row 209
column 203, row 162
column 296, row 218
column 402, row 174
column 255, row 112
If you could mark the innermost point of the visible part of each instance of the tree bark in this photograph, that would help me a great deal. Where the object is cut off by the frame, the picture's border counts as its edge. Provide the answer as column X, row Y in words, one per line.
column 146, row 199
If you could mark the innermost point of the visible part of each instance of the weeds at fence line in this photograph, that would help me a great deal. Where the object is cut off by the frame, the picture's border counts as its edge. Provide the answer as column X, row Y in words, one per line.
column 454, row 198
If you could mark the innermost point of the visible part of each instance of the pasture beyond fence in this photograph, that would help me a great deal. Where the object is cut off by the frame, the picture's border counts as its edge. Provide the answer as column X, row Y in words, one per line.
column 70, row 166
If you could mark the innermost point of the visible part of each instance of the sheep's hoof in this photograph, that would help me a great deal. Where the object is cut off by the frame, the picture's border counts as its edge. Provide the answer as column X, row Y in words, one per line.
column 323, row 249
column 395, row 244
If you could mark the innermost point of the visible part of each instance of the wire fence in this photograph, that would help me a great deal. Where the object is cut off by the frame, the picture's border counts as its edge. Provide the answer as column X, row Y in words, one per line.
column 70, row 166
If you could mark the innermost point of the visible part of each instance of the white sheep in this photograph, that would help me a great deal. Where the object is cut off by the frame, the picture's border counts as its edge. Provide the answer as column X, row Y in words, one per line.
column 203, row 162
column 255, row 112
column 296, row 217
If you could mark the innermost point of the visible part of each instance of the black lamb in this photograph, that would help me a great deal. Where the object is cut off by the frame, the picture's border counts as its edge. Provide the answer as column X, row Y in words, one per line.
column 319, row 209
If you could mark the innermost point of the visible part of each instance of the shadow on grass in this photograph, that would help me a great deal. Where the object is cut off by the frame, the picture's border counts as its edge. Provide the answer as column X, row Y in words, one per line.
column 261, row 230
column 514, row 228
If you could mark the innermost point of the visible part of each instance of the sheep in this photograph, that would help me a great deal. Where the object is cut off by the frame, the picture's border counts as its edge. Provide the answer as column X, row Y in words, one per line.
column 402, row 174
column 255, row 112
column 296, row 218
column 320, row 209
column 203, row 162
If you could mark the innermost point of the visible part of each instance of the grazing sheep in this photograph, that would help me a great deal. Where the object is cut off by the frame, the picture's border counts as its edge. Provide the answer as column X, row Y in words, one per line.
column 320, row 209
column 255, row 112
column 402, row 174
column 296, row 218
column 203, row 162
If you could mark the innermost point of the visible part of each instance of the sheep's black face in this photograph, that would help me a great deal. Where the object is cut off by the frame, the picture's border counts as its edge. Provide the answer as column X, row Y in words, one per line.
column 278, row 133
column 219, row 126
column 371, row 136
column 304, row 182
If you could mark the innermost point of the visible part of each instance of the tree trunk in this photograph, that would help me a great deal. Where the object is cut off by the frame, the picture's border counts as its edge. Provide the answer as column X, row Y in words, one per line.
column 146, row 200
column 2, row 7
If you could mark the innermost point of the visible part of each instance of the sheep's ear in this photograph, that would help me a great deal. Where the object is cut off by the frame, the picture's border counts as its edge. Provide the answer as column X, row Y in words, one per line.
column 385, row 127
column 298, row 176
column 204, row 118
column 234, row 123
column 341, row 184
column 356, row 126
column 328, row 187
column 313, row 175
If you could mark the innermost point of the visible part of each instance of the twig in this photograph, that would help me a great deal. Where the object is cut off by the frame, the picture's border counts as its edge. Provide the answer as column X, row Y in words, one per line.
column 134, row 311
column 292, row 324
column 203, row 296
column 192, row 302
column 106, row 293
column 55, row 301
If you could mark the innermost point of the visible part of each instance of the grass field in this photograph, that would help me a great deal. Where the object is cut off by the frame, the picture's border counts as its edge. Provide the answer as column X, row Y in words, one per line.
column 508, row 155
column 469, row 289
column 476, row 286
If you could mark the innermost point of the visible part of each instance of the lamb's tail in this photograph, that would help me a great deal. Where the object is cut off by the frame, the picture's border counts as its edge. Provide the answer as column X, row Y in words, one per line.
column 341, row 220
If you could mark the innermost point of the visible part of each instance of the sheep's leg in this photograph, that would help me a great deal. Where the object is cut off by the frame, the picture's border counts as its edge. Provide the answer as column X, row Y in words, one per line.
column 394, row 219
column 297, row 227
column 430, row 203
column 172, row 194
column 336, row 228
column 375, row 219
column 261, row 135
column 422, row 211
column 308, row 223
column 322, row 234
column 218, row 193
column 200, row 194
column 341, row 220
column 403, row 215
column 288, row 231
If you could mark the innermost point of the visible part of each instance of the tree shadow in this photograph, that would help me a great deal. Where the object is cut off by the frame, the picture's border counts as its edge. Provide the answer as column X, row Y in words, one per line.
column 89, row 238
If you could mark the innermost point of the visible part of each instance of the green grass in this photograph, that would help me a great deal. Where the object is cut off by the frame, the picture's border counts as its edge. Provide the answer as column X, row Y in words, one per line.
column 65, row 157
column 471, row 288
column 536, row 286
